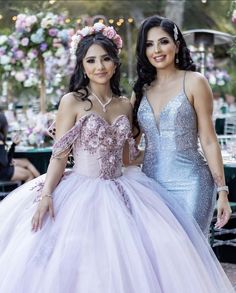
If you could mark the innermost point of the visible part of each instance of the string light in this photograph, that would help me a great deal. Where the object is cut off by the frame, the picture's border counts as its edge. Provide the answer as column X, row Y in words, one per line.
column 52, row 2
column 118, row 22
column 1, row 17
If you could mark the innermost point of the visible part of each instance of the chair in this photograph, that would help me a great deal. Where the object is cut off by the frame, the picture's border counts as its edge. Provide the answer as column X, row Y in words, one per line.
column 7, row 186
column 226, row 139
column 230, row 125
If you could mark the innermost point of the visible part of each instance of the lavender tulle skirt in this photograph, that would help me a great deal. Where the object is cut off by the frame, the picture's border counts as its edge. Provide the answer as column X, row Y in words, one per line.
column 109, row 236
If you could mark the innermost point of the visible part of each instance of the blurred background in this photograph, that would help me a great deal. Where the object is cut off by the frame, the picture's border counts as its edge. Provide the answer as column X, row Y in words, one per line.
column 25, row 62
column 35, row 65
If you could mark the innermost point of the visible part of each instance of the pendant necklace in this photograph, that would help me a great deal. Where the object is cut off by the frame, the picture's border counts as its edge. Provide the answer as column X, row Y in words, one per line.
column 100, row 102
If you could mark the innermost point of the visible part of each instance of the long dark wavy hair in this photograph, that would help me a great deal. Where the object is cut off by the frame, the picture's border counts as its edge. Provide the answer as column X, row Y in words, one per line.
column 145, row 71
column 79, row 81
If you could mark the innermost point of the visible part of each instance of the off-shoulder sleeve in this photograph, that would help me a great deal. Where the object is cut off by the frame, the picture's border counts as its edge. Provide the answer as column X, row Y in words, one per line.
column 62, row 147
column 133, row 149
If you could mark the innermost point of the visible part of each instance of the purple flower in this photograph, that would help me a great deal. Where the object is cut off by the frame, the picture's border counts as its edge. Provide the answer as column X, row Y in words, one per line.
column 19, row 54
column 53, row 32
column 2, row 51
column 43, row 47
column 32, row 53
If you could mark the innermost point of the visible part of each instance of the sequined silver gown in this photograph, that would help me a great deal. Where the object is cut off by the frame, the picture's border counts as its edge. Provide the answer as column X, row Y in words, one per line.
column 173, row 159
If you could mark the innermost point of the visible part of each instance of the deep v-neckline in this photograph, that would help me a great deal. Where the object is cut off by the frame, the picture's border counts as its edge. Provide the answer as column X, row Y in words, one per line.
column 157, row 118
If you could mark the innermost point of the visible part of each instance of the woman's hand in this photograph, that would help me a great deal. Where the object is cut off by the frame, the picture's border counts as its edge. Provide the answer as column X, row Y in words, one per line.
column 16, row 139
column 45, row 205
column 223, row 210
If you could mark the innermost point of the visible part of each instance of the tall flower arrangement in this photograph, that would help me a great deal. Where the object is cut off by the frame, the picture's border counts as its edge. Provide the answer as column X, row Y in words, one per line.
column 11, row 58
column 218, row 78
column 40, row 38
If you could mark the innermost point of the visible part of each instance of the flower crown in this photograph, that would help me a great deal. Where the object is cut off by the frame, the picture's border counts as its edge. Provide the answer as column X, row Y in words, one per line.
column 107, row 31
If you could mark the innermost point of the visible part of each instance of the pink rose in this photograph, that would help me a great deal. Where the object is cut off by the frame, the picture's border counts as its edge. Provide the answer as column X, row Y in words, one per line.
column 234, row 17
column 109, row 32
column 118, row 41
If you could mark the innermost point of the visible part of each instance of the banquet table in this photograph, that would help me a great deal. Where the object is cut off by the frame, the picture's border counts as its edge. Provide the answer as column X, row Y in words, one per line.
column 39, row 157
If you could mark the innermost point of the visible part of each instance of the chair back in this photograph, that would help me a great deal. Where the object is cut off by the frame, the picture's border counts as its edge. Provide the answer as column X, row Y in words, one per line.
column 230, row 125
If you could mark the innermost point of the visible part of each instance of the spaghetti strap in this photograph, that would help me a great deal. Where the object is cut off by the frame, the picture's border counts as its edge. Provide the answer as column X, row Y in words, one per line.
column 184, row 82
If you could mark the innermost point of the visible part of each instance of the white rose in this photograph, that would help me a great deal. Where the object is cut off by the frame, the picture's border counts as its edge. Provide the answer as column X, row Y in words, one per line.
column 85, row 31
column 5, row 60
column 20, row 76
column 212, row 79
column 98, row 26
column 7, row 67
column 3, row 39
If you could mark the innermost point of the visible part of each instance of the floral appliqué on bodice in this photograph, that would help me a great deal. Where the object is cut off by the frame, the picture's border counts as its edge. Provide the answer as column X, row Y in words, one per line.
column 93, row 135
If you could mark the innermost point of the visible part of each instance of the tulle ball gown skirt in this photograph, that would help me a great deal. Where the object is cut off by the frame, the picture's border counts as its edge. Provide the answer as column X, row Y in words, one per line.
column 109, row 236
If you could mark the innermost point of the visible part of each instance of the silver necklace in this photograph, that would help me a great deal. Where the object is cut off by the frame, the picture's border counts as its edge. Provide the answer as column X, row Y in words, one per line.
column 100, row 102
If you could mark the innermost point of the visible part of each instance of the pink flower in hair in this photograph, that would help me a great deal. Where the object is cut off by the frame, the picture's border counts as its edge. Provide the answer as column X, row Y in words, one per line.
column 109, row 32
column 118, row 41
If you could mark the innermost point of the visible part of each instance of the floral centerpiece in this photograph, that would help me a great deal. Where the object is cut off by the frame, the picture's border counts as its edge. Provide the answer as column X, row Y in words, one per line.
column 41, row 37
column 219, row 80
column 36, row 130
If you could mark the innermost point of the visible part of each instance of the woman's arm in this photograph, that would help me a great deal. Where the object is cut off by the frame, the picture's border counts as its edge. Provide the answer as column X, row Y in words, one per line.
column 11, row 152
column 203, row 104
column 126, row 152
column 66, row 118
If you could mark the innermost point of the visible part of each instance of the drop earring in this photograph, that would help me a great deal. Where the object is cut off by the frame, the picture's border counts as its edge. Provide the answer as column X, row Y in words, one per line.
column 176, row 59
column 85, row 75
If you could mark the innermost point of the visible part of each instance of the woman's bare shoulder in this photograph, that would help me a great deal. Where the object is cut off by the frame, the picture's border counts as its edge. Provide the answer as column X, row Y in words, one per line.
column 196, row 77
column 68, row 98
column 71, row 100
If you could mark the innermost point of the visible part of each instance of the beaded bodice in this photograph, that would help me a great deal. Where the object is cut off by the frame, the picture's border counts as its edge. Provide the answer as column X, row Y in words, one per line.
column 97, row 146
column 171, row 140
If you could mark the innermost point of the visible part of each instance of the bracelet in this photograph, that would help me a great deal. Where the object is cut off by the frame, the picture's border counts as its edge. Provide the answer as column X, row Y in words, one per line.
column 223, row 188
column 46, row 195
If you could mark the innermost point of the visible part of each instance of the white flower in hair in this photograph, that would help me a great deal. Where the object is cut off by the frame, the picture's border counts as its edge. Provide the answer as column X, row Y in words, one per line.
column 98, row 26
column 175, row 32
column 85, row 31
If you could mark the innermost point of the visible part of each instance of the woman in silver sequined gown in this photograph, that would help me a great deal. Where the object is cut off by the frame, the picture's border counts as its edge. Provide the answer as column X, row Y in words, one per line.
column 172, row 107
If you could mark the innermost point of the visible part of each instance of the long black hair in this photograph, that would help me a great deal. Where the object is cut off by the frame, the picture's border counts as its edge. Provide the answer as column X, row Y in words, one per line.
column 79, row 81
column 147, row 72
column 3, row 127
